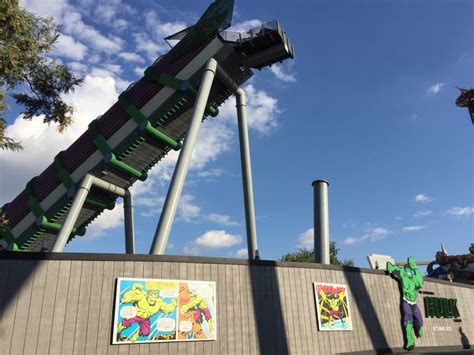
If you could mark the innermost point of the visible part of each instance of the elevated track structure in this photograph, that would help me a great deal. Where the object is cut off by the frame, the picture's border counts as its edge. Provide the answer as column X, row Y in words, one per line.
column 153, row 116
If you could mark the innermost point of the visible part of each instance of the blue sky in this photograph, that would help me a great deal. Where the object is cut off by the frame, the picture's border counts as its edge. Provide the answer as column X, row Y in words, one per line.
column 367, row 104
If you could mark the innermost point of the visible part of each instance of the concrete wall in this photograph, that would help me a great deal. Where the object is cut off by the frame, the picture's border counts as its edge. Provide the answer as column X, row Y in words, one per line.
column 63, row 304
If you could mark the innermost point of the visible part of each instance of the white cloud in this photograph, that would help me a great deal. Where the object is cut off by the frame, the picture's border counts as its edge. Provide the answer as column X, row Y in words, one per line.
column 45, row 8
column 67, row 47
column 122, row 85
column 132, row 57
column 42, row 142
column 280, row 74
column 262, row 110
column 351, row 240
column 166, row 29
column 186, row 209
column 214, row 138
column 149, row 201
column 79, row 68
column 434, row 89
column 109, row 219
column 160, row 28
column 306, row 239
column 213, row 239
column 379, row 232
column 120, row 24
column 460, row 211
column 139, row 71
column 422, row 213
column 373, row 235
column 210, row 173
column 73, row 25
column 413, row 228
column 423, row 198
column 245, row 25
column 241, row 253
column 222, row 219
column 149, row 46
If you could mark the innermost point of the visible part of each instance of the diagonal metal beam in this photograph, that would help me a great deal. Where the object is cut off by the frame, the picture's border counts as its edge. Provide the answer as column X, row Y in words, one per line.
column 160, row 239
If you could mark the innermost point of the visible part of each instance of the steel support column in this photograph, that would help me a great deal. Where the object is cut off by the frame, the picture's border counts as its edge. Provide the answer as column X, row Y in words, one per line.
column 321, row 222
column 81, row 195
column 241, row 106
column 68, row 224
column 128, row 223
column 168, row 213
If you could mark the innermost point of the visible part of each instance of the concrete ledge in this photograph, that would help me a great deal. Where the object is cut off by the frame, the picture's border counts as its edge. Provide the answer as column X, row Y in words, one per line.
column 195, row 259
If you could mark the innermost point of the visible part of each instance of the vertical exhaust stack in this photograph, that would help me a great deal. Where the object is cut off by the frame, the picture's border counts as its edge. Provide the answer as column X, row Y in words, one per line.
column 321, row 222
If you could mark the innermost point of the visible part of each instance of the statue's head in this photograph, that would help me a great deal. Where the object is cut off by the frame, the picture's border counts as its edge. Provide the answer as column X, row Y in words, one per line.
column 411, row 262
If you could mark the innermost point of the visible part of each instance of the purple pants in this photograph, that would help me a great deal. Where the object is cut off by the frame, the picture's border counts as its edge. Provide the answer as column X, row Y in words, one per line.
column 412, row 314
column 197, row 314
column 144, row 324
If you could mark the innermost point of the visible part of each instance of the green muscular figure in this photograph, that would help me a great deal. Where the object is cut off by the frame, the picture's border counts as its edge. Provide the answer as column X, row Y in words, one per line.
column 146, row 304
column 411, row 281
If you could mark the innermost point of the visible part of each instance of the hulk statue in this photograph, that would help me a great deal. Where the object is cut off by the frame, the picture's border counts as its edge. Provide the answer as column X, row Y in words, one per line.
column 411, row 281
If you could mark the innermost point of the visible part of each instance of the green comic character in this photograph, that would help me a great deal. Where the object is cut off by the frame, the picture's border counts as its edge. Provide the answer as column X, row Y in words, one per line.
column 411, row 281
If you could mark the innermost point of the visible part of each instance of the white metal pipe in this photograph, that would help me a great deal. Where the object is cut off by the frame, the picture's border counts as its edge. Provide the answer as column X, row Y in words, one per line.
column 241, row 106
column 321, row 222
column 107, row 186
column 168, row 213
column 128, row 223
column 68, row 224
column 246, row 175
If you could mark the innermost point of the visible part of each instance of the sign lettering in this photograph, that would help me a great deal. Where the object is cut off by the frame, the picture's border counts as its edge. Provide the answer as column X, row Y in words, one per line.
column 441, row 307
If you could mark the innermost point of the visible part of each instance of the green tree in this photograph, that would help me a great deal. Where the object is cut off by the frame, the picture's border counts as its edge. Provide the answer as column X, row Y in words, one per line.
column 307, row 256
column 33, row 80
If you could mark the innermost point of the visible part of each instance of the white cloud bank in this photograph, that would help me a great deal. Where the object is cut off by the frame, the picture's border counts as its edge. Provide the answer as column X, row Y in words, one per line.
column 373, row 235
column 306, row 239
column 413, row 228
column 241, row 253
column 423, row 198
column 213, row 239
column 280, row 74
column 422, row 213
column 460, row 211
column 42, row 142
column 223, row 219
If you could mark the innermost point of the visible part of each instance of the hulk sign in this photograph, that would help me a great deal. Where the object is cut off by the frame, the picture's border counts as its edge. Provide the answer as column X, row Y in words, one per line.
column 411, row 281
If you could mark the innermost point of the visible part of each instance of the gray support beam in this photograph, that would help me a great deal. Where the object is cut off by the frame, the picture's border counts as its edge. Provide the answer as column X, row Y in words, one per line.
column 168, row 213
column 72, row 215
column 87, row 182
column 247, row 175
column 128, row 222
column 321, row 222
column 241, row 105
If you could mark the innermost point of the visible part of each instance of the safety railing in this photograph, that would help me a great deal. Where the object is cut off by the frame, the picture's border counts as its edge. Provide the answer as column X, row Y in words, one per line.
column 239, row 37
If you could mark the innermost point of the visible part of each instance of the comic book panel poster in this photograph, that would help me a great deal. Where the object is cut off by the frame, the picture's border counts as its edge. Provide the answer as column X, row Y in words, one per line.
column 154, row 310
column 332, row 302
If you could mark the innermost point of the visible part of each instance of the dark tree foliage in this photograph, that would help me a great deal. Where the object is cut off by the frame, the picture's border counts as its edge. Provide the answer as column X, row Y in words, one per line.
column 307, row 256
column 34, row 81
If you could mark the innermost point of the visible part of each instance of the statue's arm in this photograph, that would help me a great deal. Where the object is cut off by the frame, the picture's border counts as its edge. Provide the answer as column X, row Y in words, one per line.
column 393, row 269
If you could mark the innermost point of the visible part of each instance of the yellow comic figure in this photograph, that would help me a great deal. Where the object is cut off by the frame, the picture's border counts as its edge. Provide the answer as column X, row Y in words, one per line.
column 334, row 305
column 146, row 304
